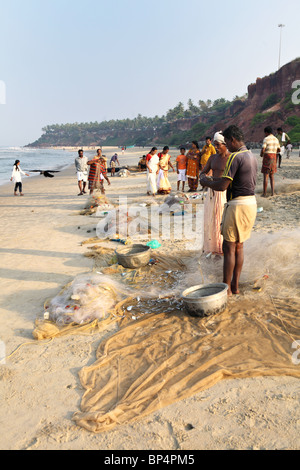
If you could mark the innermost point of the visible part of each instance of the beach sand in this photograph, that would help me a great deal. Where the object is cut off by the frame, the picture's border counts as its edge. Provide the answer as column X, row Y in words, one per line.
column 41, row 252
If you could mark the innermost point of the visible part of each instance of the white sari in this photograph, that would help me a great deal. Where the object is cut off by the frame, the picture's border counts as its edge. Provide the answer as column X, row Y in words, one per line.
column 152, row 177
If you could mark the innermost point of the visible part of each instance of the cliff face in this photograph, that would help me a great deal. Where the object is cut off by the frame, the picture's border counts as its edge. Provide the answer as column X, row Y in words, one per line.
column 269, row 102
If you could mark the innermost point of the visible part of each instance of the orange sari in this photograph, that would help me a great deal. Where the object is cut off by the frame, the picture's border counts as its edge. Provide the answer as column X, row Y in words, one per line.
column 193, row 168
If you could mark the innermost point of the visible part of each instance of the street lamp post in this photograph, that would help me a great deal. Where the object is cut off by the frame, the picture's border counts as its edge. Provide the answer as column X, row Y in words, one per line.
column 280, row 26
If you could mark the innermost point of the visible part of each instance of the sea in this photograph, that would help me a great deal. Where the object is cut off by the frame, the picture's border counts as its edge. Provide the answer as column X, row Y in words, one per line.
column 33, row 159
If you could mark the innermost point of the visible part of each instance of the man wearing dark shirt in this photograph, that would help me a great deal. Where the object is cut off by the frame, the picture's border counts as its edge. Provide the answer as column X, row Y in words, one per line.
column 239, row 180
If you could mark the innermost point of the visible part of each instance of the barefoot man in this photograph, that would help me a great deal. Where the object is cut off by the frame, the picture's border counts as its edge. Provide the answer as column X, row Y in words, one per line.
column 82, row 172
column 269, row 153
column 239, row 180
column 215, row 200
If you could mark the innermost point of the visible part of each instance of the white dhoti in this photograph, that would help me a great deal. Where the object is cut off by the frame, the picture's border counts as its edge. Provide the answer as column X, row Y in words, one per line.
column 213, row 213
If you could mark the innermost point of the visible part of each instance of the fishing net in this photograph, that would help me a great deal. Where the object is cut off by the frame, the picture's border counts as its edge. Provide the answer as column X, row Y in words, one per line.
column 109, row 295
column 97, row 206
column 167, row 357
column 160, row 355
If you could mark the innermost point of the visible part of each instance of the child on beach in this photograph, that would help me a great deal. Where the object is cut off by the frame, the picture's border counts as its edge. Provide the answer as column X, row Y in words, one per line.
column 181, row 164
column 17, row 178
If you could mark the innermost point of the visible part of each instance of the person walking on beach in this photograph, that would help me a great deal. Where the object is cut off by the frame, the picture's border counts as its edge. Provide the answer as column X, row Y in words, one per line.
column 289, row 149
column 82, row 172
column 152, row 163
column 113, row 163
column 163, row 183
column 215, row 200
column 239, row 180
column 193, row 166
column 17, row 178
column 284, row 140
column 270, row 150
column 97, row 173
column 181, row 163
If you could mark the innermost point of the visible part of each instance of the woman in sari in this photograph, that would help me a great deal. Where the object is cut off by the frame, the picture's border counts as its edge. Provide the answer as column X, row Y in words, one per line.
column 193, row 166
column 163, row 183
column 152, row 163
column 97, row 173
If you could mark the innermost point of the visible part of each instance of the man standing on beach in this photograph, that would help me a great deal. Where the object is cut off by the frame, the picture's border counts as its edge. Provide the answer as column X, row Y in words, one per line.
column 289, row 149
column 239, row 180
column 82, row 172
column 113, row 163
column 269, row 153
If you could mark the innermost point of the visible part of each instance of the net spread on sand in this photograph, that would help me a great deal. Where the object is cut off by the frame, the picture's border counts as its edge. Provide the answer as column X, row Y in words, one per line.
column 165, row 358
column 160, row 355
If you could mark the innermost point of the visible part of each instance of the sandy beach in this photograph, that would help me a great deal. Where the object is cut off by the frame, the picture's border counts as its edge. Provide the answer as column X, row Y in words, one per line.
column 41, row 252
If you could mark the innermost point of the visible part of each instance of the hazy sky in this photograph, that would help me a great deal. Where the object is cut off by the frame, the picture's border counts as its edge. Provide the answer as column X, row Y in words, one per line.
column 81, row 61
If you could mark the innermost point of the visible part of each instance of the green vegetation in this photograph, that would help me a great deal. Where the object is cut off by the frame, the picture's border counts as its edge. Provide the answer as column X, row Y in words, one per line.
column 260, row 118
column 294, row 133
column 270, row 101
column 182, row 137
column 293, row 121
column 288, row 103
column 141, row 130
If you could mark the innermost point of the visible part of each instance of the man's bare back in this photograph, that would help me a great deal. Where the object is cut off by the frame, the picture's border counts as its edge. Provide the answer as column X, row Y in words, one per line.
column 216, row 165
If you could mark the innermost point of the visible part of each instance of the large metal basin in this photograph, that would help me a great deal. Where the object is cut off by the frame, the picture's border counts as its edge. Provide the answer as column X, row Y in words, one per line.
column 205, row 300
column 134, row 256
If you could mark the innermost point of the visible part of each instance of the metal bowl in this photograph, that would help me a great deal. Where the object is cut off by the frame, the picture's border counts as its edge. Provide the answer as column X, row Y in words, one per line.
column 134, row 256
column 205, row 300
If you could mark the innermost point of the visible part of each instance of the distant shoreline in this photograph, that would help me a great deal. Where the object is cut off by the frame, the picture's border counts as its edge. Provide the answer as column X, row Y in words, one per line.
column 68, row 148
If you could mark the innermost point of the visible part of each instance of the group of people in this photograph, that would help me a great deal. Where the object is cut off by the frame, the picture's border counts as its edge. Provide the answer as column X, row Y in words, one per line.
column 188, row 167
column 230, row 207
column 93, row 172
column 224, row 166
column 229, row 171
column 158, row 166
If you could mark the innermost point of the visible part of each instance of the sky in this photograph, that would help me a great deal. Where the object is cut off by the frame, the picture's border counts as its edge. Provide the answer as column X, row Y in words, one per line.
column 66, row 61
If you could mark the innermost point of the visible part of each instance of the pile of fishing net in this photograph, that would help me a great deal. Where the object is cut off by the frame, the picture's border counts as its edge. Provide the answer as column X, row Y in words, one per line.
column 106, row 295
column 97, row 205
column 123, row 173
